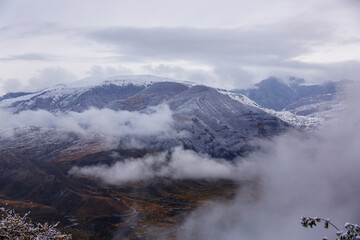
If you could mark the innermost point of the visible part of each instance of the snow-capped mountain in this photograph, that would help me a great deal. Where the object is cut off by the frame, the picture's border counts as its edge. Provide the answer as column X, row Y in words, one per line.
column 79, row 96
column 215, row 122
column 303, row 106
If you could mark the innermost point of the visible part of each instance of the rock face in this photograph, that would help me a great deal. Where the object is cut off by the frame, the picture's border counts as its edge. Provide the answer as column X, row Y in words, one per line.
column 214, row 122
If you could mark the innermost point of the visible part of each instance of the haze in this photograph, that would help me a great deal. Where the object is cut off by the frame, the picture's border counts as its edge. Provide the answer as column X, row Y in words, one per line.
column 228, row 44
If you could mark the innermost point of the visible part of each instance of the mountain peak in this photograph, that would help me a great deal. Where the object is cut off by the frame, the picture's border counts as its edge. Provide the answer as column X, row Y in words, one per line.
column 121, row 80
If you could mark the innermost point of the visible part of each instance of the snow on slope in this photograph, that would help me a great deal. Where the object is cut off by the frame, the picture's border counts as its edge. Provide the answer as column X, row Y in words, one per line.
column 83, row 94
column 76, row 88
column 240, row 98
column 302, row 122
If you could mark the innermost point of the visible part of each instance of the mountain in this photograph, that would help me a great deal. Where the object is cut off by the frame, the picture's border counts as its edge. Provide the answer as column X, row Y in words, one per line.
column 77, row 96
column 216, row 123
column 273, row 93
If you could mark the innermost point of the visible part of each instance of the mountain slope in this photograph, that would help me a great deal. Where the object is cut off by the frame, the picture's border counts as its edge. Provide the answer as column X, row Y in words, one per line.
column 274, row 94
column 219, row 124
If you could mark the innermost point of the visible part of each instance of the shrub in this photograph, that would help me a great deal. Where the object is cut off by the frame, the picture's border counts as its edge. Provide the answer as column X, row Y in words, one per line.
column 352, row 231
column 14, row 226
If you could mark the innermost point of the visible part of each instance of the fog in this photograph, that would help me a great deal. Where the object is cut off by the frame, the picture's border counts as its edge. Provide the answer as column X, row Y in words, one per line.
column 153, row 121
column 175, row 164
column 315, row 175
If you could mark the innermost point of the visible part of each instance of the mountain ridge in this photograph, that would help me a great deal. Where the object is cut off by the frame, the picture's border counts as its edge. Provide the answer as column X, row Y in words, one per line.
column 272, row 93
column 218, row 124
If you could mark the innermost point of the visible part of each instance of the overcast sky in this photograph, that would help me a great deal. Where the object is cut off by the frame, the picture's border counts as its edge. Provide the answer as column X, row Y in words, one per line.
column 227, row 43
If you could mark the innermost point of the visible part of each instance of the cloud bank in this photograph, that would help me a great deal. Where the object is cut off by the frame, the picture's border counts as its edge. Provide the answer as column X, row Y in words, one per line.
column 177, row 164
column 153, row 121
column 235, row 56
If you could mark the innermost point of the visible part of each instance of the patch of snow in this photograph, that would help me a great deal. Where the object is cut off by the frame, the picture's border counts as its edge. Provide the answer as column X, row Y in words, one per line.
column 302, row 122
column 240, row 98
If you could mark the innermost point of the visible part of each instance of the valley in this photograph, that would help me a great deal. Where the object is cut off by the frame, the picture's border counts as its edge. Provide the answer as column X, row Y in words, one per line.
column 88, row 209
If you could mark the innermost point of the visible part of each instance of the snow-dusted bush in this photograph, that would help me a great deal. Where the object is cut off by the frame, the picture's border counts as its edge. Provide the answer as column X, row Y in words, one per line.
column 352, row 230
column 16, row 227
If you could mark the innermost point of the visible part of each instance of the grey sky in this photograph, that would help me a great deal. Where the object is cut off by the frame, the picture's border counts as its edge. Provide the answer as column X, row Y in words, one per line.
column 227, row 43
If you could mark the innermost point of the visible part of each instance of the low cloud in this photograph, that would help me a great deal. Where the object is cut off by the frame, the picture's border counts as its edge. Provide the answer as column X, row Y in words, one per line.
column 300, row 175
column 153, row 121
column 233, row 76
column 10, row 85
column 108, row 71
column 49, row 77
column 225, row 76
column 198, row 76
column 176, row 164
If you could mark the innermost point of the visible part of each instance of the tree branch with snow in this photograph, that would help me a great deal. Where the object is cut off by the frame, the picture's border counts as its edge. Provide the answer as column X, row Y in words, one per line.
column 352, row 231
column 14, row 226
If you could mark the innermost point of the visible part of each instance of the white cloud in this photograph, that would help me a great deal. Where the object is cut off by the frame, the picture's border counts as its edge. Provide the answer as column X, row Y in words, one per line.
column 154, row 121
column 108, row 71
column 10, row 85
column 222, row 76
column 49, row 77
column 177, row 164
